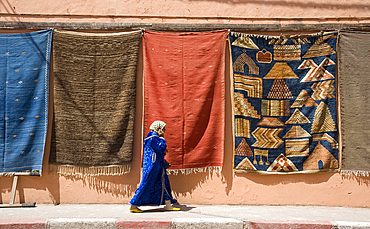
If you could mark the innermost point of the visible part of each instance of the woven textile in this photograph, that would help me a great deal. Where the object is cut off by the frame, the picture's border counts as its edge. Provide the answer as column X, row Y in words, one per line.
column 354, row 71
column 24, row 91
column 184, row 87
column 94, row 104
column 285, row 107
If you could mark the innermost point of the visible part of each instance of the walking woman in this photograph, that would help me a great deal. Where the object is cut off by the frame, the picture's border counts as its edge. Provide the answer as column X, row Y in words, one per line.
column 154, row 188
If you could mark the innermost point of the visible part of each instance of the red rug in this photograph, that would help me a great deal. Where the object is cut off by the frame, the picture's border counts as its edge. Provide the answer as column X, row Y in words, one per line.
column 184, row 76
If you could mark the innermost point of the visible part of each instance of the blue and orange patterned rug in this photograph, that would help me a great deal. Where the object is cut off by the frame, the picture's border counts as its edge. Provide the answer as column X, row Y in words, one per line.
column 285, row 106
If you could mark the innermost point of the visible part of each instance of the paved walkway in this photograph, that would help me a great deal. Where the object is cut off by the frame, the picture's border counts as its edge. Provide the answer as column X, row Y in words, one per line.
column 190, row 216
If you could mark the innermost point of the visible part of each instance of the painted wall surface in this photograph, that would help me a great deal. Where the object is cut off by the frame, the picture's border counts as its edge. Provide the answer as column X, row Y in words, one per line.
column 329, row 189
column 187, row 11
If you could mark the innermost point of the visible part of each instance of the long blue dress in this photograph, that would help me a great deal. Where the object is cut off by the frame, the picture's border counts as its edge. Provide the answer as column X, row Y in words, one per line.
column 154, row 187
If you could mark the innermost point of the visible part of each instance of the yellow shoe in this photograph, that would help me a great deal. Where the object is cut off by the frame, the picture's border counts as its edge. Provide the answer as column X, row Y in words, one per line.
column 136, row 210
column 173, row 209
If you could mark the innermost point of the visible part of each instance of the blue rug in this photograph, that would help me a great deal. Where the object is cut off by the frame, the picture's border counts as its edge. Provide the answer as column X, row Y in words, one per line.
column 24, row 91
column 285, row 106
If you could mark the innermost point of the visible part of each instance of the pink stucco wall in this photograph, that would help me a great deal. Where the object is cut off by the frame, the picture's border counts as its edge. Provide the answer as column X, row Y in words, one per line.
column 330, row 189
column 187, row 11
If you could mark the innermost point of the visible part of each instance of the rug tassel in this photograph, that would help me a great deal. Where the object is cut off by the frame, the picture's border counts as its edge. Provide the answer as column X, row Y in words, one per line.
column 90, row 171
column 188, row 171
column 27, row 172
column 239, row 34
column 356, row 173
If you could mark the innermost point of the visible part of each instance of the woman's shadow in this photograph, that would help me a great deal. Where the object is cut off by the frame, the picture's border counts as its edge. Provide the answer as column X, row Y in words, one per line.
column 183, row 208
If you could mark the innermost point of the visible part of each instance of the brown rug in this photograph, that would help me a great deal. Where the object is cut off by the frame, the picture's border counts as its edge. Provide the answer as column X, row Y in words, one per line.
column 354, row 71
column 94, row 101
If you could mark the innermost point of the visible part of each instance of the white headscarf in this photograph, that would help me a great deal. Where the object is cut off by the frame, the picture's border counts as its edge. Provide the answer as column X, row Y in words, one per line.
column 157, row 125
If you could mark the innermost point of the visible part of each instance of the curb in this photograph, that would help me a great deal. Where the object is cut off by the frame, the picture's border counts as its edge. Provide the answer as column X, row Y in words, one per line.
column 81, row 223
column 23, row 223
column 144, row 223
column 214, row 223
column 269, row 224
column 178, row 223
column 354, row 225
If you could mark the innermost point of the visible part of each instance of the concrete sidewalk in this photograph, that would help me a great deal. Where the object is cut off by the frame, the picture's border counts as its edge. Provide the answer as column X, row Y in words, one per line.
column 190, row 216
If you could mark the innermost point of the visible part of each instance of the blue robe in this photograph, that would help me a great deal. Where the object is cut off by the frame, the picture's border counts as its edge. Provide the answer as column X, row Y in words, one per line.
column 154, row 187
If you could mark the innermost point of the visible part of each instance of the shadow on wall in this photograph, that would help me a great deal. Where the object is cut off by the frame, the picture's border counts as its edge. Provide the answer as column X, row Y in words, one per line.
column 275, row 179
column 184, row 185
column 361, row 179
column 106, row 184
column 48, row 182
column 289, row 3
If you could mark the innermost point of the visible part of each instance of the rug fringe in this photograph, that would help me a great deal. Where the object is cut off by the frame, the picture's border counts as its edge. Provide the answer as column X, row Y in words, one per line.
column 69, row 170
column 27, row 172
column 95, row 34
column 356, row 173
column 188, row 171
column 240, row 34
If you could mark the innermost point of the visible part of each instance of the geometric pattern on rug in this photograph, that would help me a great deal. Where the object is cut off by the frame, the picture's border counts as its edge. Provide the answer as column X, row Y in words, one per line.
column 246, row 164
column 284, row 40
column 290, row 102
column 281, row 70
column 275, row 107
column 304, row 99
column 282, row 164
column 267, row 137
column 264, row 56
column 297, row 147
column 271, row 121
column 297, row 117
column 243, row 60
column 316, row 72
column 323, row 121
column 261, row 153
column 243, row 149
column 252, row 85
column 245, row 42
column 323, row 90
column 279, row 90
column 242, row 128
column 297, row 132
column 287, row 52
column 320, row 47
column 325, row 137
column 243, row 107
column 320, row 158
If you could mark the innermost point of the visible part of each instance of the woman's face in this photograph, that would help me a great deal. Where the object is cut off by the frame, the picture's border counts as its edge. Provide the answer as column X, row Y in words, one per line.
column 161, row 132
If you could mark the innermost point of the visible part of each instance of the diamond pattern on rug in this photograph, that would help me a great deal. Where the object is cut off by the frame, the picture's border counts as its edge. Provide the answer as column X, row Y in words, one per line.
column 282, row 164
